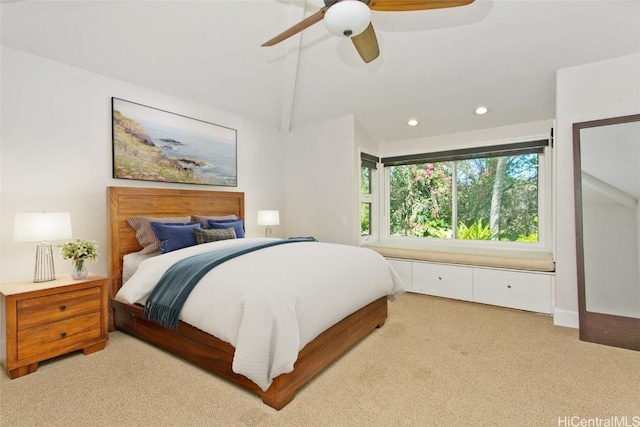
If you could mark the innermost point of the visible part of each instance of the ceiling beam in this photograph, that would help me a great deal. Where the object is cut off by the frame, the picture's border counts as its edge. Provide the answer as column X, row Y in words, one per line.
column 296, row 14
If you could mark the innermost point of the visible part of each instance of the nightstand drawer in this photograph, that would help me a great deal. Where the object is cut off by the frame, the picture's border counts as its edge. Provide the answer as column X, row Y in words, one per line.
column 58, row 335
column 51, row 308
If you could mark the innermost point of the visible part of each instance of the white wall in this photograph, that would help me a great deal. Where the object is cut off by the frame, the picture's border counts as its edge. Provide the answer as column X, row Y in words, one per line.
column 364, row 142
column 319, row 178
column 55, row 153
column 588, row 92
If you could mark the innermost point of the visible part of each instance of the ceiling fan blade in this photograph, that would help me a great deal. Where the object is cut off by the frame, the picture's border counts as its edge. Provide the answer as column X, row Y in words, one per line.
column 302, row 25
column 366, row 44
column 407, row 5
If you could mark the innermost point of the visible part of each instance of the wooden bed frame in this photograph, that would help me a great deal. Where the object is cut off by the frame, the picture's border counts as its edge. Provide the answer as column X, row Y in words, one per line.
column 191, row 343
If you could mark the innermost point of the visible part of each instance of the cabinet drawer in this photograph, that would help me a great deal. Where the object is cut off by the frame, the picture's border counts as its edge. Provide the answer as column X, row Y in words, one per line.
column 46, row 309
column 443, row 280
column 59, row 335
column 524, row 291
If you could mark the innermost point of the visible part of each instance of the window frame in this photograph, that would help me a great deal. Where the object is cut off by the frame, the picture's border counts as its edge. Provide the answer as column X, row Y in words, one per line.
column 545, row 194
column 373, row 197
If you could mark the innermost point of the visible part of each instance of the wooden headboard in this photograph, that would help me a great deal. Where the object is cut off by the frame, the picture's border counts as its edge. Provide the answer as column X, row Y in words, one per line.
column 125, row 202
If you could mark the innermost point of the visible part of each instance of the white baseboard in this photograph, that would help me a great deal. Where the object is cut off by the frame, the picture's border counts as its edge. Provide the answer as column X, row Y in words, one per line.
column 566, row 318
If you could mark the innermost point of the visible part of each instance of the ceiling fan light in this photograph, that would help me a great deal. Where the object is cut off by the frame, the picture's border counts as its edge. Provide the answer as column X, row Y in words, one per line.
column 347, row 18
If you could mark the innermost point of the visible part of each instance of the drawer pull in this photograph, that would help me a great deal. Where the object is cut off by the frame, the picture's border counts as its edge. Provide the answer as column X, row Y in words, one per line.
column 63, row 307
column 63, row 335
column 509, row 286
column 439, row 278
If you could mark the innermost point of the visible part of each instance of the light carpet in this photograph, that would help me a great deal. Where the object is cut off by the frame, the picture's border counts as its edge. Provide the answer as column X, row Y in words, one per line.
column 436, row 362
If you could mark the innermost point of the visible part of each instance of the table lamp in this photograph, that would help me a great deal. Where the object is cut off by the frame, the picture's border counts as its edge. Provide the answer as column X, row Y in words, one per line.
column 268, row 218
column 42, row 227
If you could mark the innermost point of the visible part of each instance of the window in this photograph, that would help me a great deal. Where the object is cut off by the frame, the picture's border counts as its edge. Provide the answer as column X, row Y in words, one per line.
column 368, row 167
column 365, row 219
column 475, row 194
column 420, row 200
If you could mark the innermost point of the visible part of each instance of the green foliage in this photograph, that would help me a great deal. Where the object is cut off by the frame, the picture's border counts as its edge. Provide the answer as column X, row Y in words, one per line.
column 519, row 199
column 365, row 180
column 476, row 231
column 421, row 199
column 438, row 231
column 531, row 238
column 365, row 219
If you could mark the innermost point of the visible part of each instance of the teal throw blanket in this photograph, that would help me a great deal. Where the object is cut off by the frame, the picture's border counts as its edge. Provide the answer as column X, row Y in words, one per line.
column 169, row 295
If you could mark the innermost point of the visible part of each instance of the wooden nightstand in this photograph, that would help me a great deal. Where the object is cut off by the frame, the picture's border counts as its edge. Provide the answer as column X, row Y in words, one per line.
column 39, row 321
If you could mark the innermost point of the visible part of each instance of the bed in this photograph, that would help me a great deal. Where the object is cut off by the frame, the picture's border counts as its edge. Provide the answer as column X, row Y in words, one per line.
column 192, row 343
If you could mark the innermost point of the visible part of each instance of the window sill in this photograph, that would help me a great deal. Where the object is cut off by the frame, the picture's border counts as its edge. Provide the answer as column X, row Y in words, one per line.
column 529, row 260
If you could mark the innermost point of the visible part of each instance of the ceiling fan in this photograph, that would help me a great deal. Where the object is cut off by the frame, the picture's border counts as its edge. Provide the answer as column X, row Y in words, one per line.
column 352, row 18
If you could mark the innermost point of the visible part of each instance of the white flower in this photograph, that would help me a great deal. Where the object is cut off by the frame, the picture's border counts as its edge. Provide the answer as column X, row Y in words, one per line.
column 79, row 250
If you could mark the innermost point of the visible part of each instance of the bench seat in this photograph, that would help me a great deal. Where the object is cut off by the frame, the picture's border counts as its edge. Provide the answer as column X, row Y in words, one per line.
column 515, row 259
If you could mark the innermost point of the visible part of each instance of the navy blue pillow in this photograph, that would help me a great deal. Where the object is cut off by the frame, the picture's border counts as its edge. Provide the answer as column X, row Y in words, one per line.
column 175, row 236
column 237, row 224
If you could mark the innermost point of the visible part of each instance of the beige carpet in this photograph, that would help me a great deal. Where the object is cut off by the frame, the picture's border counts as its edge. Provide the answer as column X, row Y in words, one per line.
column 436, row 362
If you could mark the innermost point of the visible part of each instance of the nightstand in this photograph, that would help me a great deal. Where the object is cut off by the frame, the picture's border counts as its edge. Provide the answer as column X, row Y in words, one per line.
column 39, row 321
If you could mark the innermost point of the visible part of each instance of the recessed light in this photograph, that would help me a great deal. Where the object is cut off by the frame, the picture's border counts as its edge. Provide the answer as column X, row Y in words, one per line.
column 412, row 122
column 482, row 110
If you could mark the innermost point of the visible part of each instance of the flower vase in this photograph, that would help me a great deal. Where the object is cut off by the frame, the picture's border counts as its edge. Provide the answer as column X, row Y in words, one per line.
column 79, row 270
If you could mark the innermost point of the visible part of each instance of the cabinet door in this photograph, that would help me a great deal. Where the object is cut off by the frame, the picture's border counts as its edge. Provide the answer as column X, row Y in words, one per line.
column 403, row 268
column 521, row 290
column 440, row 280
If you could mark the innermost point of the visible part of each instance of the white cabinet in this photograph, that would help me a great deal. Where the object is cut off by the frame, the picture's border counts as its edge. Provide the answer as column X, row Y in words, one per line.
column 515, row 289
column 403, row 268
column 442, row 280
column 523, row 290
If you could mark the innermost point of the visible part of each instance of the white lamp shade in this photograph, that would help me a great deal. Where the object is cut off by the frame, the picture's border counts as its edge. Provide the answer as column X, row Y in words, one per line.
column 347, row 18
column 268, row 217
column 41, row 227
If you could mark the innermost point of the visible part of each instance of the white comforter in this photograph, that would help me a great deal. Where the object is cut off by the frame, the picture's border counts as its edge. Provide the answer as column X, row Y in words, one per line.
column 270, row 303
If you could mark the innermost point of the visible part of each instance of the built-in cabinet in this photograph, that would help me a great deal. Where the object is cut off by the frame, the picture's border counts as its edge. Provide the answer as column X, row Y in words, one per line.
column 442, row 280
column 524, row 290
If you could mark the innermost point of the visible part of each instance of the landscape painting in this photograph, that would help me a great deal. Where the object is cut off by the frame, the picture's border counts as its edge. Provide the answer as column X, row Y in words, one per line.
column 156, row 145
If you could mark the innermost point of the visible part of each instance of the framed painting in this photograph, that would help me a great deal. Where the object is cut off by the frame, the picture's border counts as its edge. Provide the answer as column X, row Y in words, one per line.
column 155, row 145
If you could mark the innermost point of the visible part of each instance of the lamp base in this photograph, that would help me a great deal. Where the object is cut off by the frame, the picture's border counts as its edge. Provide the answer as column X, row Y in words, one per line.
column 44, row 271
column 267, row 231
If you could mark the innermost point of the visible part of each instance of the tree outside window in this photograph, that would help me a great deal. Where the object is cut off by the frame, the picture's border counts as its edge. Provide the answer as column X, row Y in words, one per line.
column 486, row 198
column 365, row 206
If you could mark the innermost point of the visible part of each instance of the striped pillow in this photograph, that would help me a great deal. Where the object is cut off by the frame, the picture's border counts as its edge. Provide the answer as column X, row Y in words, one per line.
column 211, row 235
column 145, row 235
column 203, row 219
